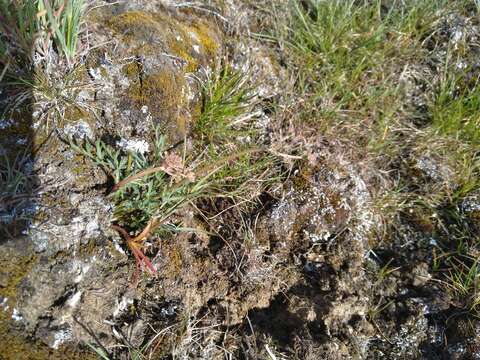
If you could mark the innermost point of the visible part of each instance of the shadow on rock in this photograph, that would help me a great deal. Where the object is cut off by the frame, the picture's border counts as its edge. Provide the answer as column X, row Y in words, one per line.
column 18, row 183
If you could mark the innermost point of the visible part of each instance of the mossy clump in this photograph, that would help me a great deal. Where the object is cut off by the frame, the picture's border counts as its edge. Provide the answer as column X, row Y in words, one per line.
column 132, row 70
column 159, row 90
column 13, row 268
column 14, row 346
column 302, row 180
column 151, row 33
column 134, row 23
column 175, row 261
column 179, row 49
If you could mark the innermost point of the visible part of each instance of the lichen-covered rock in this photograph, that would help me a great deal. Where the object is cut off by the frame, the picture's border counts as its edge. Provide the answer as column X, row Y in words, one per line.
column 141, row 75
column 148, row 78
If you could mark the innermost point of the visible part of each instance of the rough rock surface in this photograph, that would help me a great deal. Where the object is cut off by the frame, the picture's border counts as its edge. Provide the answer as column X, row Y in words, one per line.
column 140, row 76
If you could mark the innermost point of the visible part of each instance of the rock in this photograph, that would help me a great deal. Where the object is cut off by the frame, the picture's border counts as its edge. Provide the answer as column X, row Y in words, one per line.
column 139, row 77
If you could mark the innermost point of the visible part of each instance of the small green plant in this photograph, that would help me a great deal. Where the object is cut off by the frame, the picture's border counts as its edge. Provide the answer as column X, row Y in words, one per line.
column 147, row 201
column 19, row 29
column 53, row 94
column 386, row 271
column 150, row 188
column 227, row 106
column 65, row 19
column 374, row 312
column 154, row 187
column 138, row 201
column 456, row 109
column 463, row 282
column 99, row 352
column 26, row 26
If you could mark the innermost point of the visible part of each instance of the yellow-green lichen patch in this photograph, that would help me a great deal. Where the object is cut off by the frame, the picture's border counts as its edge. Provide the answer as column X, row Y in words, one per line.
column 75, row 113
column 156, row 33
column 169, row 35
column 150, row 32
column 15, row 347
column 207, row 38
column 199, row 44
column 182, row 123
column 302, row 180
column 179, row 49
column 134, row 23
column 161, row 88
column 173, row 266
column 93, row 58
column 14, row 265
column 132, row 70
column 162, row 93
column 196, row 110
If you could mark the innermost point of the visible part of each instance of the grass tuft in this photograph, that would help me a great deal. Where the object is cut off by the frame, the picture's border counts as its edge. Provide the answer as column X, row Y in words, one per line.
column 227, row 102
column 455, row 110
column 65, row 19
column 28, row 26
